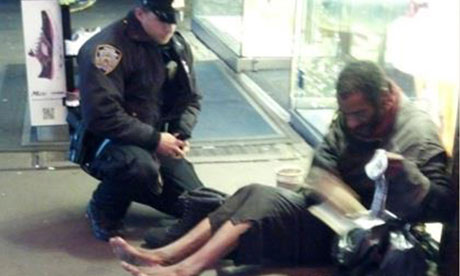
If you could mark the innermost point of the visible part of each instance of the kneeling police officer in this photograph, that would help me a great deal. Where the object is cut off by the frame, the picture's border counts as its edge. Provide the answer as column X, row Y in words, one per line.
column 139, row 104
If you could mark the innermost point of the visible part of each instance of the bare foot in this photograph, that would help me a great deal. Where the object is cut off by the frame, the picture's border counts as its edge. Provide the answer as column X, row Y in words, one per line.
column 135, row 256
column 134, row 270
column 157, row 270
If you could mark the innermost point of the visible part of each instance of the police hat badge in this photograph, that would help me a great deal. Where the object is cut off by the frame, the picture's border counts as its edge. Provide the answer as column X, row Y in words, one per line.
column 163, row 9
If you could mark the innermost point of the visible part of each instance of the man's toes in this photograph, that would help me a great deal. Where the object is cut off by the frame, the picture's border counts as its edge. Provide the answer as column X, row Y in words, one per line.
column 117, row 241
column 130, row 268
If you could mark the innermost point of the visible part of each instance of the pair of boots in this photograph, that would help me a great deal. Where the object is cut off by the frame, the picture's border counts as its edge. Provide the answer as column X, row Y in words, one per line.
column 196, row 204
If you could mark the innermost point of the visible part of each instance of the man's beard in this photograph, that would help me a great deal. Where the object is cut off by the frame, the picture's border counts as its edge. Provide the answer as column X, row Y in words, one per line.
column 367, row 131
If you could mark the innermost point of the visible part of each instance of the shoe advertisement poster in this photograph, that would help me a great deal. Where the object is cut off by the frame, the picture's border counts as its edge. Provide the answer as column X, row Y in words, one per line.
column 44, row 57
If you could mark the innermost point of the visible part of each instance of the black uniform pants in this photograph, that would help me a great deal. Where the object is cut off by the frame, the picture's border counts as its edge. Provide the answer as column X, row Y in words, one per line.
column 130, row 173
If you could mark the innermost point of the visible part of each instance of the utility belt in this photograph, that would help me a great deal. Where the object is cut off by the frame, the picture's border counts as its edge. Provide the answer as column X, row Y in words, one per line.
column 85, row 147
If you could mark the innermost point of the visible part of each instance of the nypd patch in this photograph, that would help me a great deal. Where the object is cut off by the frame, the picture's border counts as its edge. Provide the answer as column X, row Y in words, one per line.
column 107, row 58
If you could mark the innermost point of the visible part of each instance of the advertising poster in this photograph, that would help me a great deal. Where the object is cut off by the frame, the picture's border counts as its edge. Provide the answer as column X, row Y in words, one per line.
column 44, row 54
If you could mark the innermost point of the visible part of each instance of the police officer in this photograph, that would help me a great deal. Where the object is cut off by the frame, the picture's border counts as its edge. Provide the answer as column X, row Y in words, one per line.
column 139, row 104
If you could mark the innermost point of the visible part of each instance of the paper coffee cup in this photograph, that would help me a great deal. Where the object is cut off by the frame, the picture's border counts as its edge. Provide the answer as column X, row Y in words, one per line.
column 290, row 177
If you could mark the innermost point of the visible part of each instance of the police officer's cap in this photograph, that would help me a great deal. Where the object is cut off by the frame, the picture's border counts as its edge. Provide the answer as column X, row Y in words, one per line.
column 162, row 9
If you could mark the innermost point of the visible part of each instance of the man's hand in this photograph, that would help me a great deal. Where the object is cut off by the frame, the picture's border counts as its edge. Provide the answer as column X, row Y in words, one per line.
column 407, row 186
column 170, row 146
column 395, row 164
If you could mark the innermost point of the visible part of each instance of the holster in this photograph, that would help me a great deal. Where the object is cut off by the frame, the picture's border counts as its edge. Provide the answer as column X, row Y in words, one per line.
column 82, row 142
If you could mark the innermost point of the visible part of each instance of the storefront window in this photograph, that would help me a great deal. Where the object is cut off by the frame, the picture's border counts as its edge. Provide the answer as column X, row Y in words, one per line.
column 252, row 28
column 223, row 18
column 415, row 41
column 294, row 50
column 254, row 37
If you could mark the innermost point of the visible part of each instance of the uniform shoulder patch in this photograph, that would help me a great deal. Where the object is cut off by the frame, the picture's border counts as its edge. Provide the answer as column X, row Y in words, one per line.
column 107, row 58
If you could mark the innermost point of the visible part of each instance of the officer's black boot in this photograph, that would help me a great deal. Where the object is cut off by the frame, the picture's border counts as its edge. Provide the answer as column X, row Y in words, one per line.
column 197, row 204
column 105, row 224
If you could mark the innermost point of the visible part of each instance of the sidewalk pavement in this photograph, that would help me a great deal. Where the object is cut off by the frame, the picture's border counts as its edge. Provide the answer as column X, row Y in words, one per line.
column 43, row 230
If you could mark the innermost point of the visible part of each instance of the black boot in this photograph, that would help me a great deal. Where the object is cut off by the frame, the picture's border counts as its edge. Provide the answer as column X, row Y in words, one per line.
column 103, row 226
column 197, row 204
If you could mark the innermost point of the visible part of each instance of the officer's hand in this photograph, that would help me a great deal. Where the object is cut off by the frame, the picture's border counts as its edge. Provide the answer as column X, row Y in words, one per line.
column 186, row 147
column 170, row 146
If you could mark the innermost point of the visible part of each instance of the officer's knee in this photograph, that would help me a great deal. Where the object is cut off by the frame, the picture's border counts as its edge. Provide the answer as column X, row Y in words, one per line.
column 139, row 165
column 144, row 172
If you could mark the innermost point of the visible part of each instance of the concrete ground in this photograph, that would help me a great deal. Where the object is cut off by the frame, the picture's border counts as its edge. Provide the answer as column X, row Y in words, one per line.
column 43, row 230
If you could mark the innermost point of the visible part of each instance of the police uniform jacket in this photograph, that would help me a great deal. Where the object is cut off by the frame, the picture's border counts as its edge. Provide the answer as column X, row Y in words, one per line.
column 126, row 95
column 421, row 191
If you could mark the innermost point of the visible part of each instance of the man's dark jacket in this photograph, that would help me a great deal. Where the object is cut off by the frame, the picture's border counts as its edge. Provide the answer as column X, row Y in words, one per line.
column 421, row 191
column 132, row 103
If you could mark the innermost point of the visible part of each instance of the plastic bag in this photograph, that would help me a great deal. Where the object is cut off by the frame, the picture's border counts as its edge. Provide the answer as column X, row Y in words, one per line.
column 393, row 248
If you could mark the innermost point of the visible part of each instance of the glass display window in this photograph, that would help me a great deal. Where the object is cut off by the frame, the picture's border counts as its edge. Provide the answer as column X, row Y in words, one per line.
column 332, row 33
column 254, row 38
column 294, row 50
column 247, row 34
column 268, row 27
column 221, row 18
column 415, row 41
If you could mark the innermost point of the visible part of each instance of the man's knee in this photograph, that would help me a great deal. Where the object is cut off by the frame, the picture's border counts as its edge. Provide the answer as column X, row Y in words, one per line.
column 256, row 189
column 269, row 196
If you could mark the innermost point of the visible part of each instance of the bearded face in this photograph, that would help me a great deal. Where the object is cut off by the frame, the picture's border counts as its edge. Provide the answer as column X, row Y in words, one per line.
column 361, row 117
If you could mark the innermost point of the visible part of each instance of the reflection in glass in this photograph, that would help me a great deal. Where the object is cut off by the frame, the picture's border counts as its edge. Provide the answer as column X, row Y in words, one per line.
column 224, row 18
